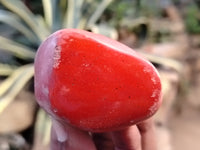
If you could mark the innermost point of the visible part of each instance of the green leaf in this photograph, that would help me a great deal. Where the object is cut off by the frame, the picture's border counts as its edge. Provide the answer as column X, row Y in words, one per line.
column 42, row 128
column 15, row 22
column 48, row 15
column 73, row 14
column 6, row 69
column 105, row 30
column 52, row 14
column 100, row 9
column 86, row 13
column 13, row 84
column 163, row 61
column 16, row 49
column 22, row 11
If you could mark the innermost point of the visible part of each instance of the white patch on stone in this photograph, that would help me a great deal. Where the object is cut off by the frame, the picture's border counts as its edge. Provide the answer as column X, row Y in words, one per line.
column 65, row 89
column 146, row 70
column 45, row 91
column 71, row 40
column 85, row 65
column 155, row 92
column 153, row 108
column 153, row 80
column 56, row 57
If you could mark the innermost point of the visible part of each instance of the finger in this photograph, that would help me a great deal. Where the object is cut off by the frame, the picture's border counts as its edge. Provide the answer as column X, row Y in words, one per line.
column 55, row 143
column 148, row 137
column 127, row 139
column 103, row 141
column 70, row 138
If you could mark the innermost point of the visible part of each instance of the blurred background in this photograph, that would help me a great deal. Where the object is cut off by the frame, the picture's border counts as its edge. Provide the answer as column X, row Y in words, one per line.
column 166, row 32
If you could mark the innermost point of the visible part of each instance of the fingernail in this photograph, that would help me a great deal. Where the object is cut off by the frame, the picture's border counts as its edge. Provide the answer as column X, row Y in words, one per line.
column 60, row 131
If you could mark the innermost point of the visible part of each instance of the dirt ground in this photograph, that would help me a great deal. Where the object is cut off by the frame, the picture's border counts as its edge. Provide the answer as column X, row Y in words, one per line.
column 184, row 128
column 184, row 124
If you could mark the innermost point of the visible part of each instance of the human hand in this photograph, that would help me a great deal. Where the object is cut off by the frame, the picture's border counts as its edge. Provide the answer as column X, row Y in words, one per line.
column 136, row 137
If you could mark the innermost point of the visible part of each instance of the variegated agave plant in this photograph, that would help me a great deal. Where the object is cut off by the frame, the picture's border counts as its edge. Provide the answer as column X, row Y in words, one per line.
column 82, row 14
column 35, row 28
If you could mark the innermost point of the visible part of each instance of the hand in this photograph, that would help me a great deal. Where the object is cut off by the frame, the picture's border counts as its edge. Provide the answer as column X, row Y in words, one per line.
column 136, row 137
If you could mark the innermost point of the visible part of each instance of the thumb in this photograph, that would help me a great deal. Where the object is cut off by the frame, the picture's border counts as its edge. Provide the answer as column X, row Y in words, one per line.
column 66, row 137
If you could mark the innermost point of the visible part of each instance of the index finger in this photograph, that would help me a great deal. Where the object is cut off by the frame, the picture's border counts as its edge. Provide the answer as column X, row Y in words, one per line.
column 136, row 137
column 127, row 139
column 147, row 132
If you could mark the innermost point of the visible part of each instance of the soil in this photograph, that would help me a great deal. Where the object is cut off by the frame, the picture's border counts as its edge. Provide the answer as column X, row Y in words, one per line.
column 184, row 124
column 184, row 128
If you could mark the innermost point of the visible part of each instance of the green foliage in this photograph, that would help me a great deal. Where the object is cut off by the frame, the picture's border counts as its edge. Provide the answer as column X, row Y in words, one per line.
column 32, row 29
column 120, row 9
column 149, row 8
column 13, row 84
column 192, row 19
column 123, row 9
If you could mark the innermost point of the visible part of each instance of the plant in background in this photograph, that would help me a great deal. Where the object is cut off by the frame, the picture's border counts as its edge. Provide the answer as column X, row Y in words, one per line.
column 192, row 20
column 31, row 29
